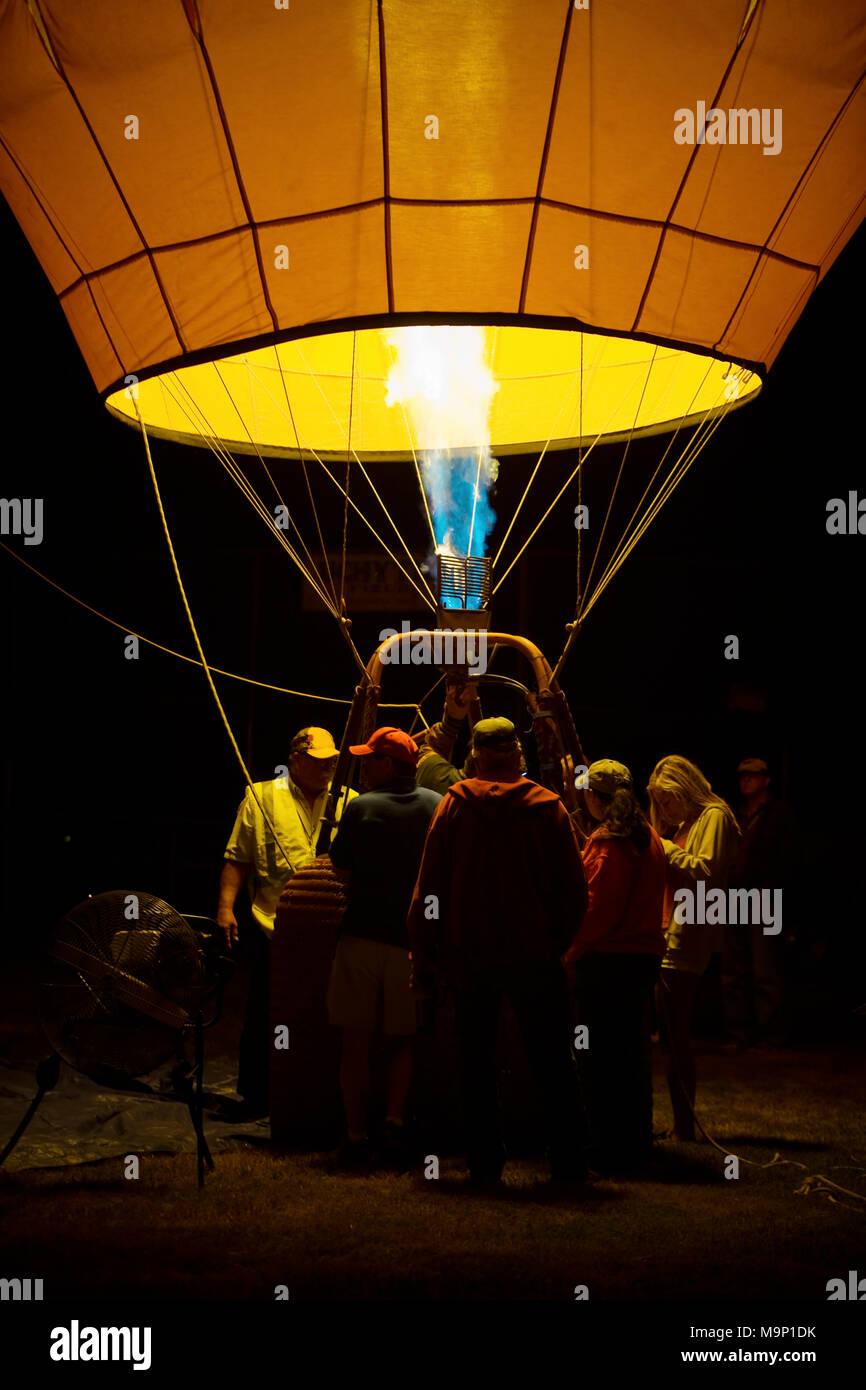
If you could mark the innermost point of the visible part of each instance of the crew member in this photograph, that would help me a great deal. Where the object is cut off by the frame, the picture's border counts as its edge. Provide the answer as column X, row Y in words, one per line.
column 614, row 962
column 380, row 841
column 295, row 805
column 436, row 769
column 700, row 837
column 500, row 890
column 752, row 977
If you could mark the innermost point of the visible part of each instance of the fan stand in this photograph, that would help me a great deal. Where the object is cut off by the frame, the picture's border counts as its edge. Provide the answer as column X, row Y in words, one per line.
column 188, row 1084
column 47, row 1072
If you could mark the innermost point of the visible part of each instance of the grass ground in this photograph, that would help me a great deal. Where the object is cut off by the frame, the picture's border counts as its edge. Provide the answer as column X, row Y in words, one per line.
column 683, row 1231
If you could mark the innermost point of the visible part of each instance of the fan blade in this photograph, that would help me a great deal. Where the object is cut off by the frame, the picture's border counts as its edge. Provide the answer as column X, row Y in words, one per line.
column 125, row 988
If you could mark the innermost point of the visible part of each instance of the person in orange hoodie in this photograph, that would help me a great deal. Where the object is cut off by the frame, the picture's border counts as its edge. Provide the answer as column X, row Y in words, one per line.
column 499, row 890
column 613, row 963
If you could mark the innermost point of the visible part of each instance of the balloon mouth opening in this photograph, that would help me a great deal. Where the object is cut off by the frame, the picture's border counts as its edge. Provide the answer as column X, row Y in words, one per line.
column 327, row 394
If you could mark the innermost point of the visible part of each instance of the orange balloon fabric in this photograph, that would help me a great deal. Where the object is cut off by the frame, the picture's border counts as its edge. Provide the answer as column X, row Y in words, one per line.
column 200, row 178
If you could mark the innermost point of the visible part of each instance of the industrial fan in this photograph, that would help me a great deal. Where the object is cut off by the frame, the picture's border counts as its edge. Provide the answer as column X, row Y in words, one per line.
column 126, row 979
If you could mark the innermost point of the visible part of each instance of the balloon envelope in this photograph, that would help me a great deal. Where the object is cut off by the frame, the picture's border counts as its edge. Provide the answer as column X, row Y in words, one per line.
column 204, row 181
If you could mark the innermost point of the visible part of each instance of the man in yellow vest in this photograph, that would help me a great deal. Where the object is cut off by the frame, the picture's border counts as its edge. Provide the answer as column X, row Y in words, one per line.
column 294, row 804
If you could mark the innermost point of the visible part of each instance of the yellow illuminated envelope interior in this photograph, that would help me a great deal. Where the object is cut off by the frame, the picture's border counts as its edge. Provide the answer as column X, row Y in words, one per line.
column 299, row 395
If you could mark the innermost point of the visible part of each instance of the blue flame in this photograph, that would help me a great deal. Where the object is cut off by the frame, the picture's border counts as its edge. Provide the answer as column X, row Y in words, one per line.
column 450, row 477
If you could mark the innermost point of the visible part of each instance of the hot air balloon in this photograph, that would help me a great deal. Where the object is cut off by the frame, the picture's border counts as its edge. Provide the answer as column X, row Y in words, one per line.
column 258, row 219
column 364, row 237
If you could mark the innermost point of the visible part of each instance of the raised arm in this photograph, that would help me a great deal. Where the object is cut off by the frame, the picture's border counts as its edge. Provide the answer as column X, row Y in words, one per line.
column 714, row 851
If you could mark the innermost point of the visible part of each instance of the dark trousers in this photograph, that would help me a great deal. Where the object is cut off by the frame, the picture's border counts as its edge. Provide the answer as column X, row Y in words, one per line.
column 538, row 992
column 614, row 999
column 254, row 1053
column 752, row 984
column 676, row 995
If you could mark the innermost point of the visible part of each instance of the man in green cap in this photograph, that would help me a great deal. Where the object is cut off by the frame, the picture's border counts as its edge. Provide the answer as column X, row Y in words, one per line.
column 500, row 893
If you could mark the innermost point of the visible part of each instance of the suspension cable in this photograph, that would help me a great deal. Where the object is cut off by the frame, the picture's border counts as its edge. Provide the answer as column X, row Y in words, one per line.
column 195, row 637
column 215, row 444
column 656, row 471
column 239, row 413
column 474, row 503
column 427, row 598
column 421, row 486
column 237, row 475
column 348, row 468
column 303, row 463
column 582, row 458
column 575, row 378
column 192, row 660
column 370, row 482
column 693, row 449
column 569, row 479
column 615, row 488
column 579, row 494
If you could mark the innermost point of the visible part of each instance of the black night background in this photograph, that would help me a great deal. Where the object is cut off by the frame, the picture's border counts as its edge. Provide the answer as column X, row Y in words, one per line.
column 119, row 774
column 120, row 771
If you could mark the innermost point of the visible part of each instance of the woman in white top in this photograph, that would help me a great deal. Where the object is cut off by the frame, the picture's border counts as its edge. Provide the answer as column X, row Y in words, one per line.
column 703, row 839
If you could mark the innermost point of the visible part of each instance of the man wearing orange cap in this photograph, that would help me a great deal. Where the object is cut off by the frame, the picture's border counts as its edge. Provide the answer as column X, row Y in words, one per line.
column 380, row 842
column 294, row 804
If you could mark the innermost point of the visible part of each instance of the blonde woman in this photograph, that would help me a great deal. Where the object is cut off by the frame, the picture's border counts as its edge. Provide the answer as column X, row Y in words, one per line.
column 700, row 837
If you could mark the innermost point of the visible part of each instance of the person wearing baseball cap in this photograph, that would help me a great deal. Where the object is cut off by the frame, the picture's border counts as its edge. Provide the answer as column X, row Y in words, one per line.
column 500, row 891
column 499, row 735
column 753, row 961
column 295, row 802
column 604, row 777
column 379, row 843
column 753, row 766
column 614, row 961
column 391, row 743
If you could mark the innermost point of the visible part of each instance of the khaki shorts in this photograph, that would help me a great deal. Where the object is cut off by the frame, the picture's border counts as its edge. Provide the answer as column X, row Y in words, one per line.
column 369, row 987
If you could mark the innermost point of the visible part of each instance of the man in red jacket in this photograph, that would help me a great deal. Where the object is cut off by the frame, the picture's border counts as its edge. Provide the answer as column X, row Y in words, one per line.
column 500, row 893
